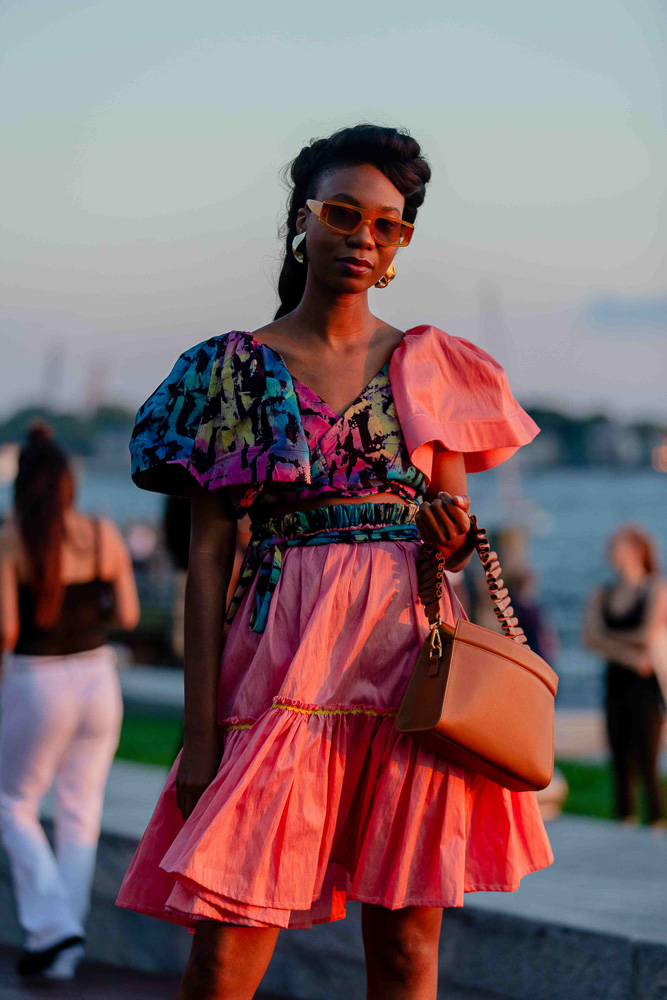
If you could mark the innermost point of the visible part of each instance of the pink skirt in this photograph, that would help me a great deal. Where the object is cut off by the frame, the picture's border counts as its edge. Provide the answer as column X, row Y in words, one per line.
column 318, row 799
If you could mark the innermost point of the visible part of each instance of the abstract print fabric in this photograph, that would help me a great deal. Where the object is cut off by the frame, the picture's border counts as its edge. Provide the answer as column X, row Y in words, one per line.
column 230, row 414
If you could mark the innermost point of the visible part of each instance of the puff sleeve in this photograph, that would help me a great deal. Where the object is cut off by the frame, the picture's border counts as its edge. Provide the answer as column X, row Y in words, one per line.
column 166, row 424
column 449, row 390
column 222, row 417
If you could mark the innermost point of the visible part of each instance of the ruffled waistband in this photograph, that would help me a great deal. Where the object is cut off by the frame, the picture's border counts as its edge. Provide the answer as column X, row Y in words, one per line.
column 348, row 523
column 339, row 516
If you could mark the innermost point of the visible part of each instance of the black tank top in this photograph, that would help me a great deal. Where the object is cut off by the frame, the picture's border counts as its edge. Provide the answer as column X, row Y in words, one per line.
column 631, row 618
column 82, row 621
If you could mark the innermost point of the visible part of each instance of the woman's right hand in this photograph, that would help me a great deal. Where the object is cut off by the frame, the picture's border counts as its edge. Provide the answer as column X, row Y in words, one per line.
column 197, row 768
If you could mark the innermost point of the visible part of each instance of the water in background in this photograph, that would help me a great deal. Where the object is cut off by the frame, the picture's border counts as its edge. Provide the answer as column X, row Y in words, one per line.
column 569, row 514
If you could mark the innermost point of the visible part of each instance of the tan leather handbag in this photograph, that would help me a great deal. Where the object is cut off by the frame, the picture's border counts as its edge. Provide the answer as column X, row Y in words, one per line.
column 482, row 699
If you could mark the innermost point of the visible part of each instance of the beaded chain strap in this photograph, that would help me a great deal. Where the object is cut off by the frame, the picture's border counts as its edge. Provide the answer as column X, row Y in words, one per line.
column 499, row 594
column 497, row 590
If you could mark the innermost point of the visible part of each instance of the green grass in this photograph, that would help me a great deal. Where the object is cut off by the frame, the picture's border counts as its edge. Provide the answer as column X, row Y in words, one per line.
column 591, row 790
column 157, row 740
column 150, row 739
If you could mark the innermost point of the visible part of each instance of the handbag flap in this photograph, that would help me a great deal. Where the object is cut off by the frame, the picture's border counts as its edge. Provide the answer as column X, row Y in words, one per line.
column 477, row 635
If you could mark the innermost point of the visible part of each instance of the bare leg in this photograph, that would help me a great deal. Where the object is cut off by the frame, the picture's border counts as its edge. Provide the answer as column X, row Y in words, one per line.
column 401, row 951
column 226, row 962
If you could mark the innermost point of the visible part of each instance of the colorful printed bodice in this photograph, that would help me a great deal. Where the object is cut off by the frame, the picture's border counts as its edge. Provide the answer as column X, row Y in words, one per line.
column 356, row 453
column 230, row 414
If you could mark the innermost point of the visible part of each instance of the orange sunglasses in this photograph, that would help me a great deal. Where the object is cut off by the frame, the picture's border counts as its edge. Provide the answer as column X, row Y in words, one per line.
column 349, row 219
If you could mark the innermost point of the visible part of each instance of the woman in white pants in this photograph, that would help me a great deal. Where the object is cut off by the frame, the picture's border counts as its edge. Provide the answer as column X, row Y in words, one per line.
column 64, row 578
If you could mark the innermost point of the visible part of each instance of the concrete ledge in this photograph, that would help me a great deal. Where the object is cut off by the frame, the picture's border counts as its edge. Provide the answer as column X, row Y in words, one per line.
column 534, row 960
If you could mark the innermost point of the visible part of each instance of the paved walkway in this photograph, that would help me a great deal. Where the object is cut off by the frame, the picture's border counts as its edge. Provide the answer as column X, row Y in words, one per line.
column 606, row 878
column 96, row 981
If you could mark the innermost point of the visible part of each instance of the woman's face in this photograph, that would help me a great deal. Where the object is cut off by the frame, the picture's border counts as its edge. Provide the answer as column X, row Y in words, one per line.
column 623, row 553
column 349, row 264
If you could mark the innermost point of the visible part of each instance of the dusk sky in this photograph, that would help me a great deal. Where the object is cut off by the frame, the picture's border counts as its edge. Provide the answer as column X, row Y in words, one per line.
column 142, row 149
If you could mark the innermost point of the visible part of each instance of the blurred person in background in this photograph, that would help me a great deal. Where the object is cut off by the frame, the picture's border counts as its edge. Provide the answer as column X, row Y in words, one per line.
column 64, row 579
column 521, row 582
column 622, row 619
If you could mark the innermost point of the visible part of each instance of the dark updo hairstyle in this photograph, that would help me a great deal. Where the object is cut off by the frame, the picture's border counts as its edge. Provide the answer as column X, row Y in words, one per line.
column 395, row 153
column 43, row 489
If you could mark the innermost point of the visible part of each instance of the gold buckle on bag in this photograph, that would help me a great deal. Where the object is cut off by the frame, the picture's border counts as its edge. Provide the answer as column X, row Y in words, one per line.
column 435, row 647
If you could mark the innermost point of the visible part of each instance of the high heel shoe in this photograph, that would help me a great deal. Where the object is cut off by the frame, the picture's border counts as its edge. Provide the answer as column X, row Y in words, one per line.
column 29, row 963
column 65, row 963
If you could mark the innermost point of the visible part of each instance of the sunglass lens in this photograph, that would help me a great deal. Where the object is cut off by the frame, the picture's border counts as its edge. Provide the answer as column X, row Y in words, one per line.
column 344, row 219
column 388, row 231
column 406, row 235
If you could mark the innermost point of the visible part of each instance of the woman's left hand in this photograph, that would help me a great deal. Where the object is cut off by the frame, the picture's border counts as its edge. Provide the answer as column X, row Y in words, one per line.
column 444, row 523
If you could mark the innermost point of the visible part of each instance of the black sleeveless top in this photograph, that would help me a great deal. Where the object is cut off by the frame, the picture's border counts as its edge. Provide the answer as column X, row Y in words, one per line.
column 82, row 621
column 631, row 618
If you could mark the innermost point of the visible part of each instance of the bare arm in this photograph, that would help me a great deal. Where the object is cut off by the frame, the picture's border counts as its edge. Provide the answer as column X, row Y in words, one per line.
column 657, row 615
column 127, row 610
column 212, row 549
column 9, row 611
column 443, row 523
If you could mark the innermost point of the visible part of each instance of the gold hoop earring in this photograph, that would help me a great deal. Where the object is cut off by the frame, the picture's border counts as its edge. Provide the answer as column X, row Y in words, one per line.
column 388, row 276
column 296, row 242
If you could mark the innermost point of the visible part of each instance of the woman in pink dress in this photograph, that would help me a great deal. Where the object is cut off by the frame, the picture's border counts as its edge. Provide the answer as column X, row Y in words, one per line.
column 348, row 441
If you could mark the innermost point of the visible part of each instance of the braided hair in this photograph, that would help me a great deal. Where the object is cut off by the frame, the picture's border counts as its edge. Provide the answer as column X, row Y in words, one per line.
column 394, row 153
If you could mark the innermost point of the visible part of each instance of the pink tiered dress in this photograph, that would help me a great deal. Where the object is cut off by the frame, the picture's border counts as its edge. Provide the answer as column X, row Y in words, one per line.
column 318, row 799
